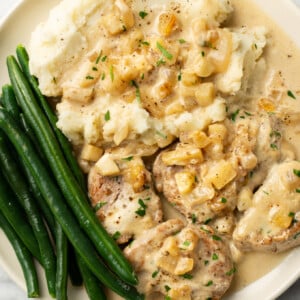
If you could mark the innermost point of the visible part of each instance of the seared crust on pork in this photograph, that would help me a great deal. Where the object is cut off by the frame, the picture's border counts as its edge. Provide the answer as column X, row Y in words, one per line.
column 123, row 212
column 182, row 262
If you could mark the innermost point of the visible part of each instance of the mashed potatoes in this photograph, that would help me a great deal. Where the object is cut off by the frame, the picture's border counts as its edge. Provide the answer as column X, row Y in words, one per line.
column 129, row 73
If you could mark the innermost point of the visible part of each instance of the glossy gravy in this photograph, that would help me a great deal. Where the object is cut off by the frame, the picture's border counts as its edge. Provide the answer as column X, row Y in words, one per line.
column 281, row 55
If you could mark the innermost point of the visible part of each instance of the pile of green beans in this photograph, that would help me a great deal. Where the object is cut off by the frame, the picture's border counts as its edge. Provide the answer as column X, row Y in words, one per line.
column 44, row 206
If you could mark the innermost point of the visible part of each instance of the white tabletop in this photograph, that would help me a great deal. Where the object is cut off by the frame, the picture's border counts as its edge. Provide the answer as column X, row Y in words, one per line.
column 10, row 291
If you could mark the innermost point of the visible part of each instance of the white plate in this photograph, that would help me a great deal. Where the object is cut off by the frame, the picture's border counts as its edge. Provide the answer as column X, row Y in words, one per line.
column 16, row 28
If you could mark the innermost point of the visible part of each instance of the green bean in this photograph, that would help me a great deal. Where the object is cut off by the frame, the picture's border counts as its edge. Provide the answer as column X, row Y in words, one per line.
column 11, row 105
column 9, row 100
column 24, row 257
column 74, row 271
column 75, row 196
column 62, row 264
column 23, row 59
column 60, row 210
column 18, row 183
column 92, row 285
column 15, row 215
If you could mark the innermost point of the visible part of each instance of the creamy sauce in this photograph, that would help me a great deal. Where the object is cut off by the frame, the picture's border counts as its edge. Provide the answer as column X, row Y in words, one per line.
column 281, row 55
column 253, row 266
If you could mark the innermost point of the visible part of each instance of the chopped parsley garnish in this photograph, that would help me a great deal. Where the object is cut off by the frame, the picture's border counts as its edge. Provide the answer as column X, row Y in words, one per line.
column 137, row 90
column 194, row 218
column 202, row 53
column 187, row 276
column 107, row 116
column 248, row 114
column 142, row 209
column 179, row 76
column 296, row 172
column 160, row 62
column 141, row 212
column 154, row 274
column 103, row 76
column 111, row 73
column 234, row 115
column 116, row 235
column 291, row 214
column 99, row 57
column 168, row 298
column 275, row 133
column 223, row 200
column 89, row 77
column 274, row 146
column 296, row 235
column 186, row 243
column 207, row 221
column 265, row 192
column 290, row 94
column 297, row 190
column 209, row 283
column 95, row 69
column 205, row 230
column 206, row 262
column 144, row 43
column 167, row 288
column 142, row 204
column 216, row 237
column 215, row 256
column 161, row 134
column 142, row 76
column 231, row 271
column 103, row 59
column 164, row 51
column 181, row 41
column 143, row 14
column 133, row 83
column 129, row 158
column 124, row 28
column 99, row 205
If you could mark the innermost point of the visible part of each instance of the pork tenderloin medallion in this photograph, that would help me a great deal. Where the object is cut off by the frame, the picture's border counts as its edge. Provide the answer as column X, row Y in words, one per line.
column 271, row 223
column 174, row 261
column 201, row 175
column 124, row 211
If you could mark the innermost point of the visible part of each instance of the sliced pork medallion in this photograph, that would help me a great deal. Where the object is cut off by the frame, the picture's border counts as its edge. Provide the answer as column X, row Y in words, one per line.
column 271, row 223
column 201, row 175
column 126, row 204
column 175, row 261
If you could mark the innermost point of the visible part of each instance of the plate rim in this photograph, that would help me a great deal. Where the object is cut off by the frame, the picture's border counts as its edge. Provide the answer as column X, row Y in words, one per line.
column 10, row 12
column 236, row 295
